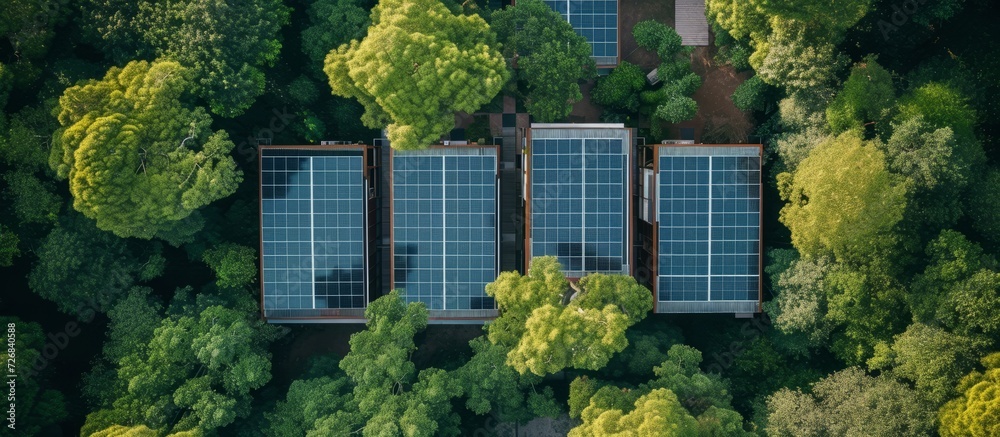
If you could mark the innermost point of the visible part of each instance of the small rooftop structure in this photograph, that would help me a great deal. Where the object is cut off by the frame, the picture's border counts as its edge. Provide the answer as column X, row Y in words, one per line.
column 692, row 26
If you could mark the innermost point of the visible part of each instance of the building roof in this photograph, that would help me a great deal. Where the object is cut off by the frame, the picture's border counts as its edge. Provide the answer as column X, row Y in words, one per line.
column 595, row 20
column 578, row 202
column 445, row 240
column 313, row 225
column 708, row 218
column 692, row 26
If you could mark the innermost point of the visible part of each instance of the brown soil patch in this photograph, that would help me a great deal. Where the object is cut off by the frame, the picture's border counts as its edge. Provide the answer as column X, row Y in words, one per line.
column 631, row 12
column 718, row 120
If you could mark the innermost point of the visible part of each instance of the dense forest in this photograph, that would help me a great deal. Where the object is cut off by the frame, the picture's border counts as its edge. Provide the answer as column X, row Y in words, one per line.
column 129, row 221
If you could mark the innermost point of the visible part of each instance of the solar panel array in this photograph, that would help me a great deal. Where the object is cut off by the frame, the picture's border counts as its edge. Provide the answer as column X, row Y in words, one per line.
column 579, row 203
column 595, row 20
column 444, row 226
column 313, row 206
column 709, row 224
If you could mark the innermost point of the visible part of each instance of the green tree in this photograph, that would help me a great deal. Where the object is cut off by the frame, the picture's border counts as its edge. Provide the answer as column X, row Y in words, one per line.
column 332, row 23
column 671, row 102
column 235, row 266
column 26, row 144
column 547, row 335
column 490, row 385
column 8, row 246
column 952, row 258
column 849, row 402
column 976, row 412
column 418, row 65
column 551, row 59
column 32, row 199
column 620, row 89
column 868, row 97
column 81, row 267
column 984, row 205
column 938, row 167
column 934, row 359
column 847, row 211
column 195, row 373
column 37, row 408
column 138, row 161
column 657, row 413
column 224, row 45
column 29, row 26
column 794, row 59
column 751, row 94
column 308, row 401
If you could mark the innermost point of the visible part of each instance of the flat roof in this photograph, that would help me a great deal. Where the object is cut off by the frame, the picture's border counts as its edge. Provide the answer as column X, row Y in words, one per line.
column 445, row 243
column 313, row 216
column 578, row 202
column 595, row 20
column 708, row 217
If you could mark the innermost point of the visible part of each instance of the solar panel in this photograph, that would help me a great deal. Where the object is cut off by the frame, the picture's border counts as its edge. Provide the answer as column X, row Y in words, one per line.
column 709, row 224
column 313, row 206
column 595, row 20
column 579, row 202
column 444, row 226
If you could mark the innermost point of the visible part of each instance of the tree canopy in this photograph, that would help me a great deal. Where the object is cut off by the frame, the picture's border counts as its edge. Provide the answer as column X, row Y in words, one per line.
column 547, row 335
column 550, row 57
column 977, row 411
column 417, row 67
column 225, row 45
column 137, row 159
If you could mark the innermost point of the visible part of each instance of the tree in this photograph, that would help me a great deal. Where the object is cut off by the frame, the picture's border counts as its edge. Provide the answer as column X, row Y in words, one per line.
column 849, row 402
column 547, row 335
column 976, row 412
column 490, row 385
column 972, row 307
column 620, row 89
column 793, row 59
column 235, row 266
column 196, row 372
column 331, row 24
column 418, row 65
column 32, row 199
column 935, row 162
column 847, row 211
column 750, row 95
column 223, row 44
column 81, row 267
column 934, row 359
column 37, row 408
column 671, row 102
column 868, row 97
column 550, row 57
column 137, row 160
column 952, row 259
column 29, row 27
column 657, row 413
column 801, row 303
column 8, row 246
column 308, row 401
column 984, row 206
column 389, row 396
column 702, row 400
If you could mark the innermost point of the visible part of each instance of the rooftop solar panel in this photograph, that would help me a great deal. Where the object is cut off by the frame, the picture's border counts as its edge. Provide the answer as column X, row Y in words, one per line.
column 595, row 20
column 313, row 207
column 579, row 199
column 444, row 226
column 709, row 224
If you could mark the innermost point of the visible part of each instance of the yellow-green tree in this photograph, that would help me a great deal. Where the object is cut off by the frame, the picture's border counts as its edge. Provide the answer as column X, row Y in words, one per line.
column 547, row 335
column 137, row 159
column 658, row 413
column 842, row 200
column 977, row 412
column 417, row 67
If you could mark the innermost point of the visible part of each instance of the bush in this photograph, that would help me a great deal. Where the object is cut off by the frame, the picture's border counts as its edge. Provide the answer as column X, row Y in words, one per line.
column 620, row 89
column 749, row 96
column 658, row 37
